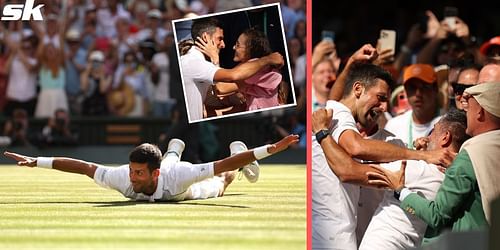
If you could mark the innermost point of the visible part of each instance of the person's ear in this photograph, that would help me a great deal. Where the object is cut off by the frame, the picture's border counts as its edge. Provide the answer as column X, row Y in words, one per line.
column 446, row 139
column 156, row 173
column 481, row 115
column 357, row 88
column 205, row 36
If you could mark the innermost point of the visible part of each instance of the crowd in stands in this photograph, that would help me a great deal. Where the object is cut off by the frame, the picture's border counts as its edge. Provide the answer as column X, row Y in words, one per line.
column 116, row 58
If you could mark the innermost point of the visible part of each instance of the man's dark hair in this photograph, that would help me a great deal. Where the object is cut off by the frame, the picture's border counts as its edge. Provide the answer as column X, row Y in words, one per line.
column 146, row 153
column 455, row 121
column 202, row 25
column 367, row 74
column 257, row 43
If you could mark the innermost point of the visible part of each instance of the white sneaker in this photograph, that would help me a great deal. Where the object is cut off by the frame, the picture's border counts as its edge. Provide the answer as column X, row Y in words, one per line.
column 250, row 171
column 175, row 146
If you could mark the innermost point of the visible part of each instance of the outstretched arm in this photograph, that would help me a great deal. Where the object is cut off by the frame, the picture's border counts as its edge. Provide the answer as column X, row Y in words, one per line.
column 240, row 160
column 248, row 69
column 60, row 163
column 376, row 150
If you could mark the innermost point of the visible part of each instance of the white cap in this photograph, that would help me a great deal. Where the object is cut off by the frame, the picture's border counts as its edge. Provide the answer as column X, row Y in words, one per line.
column 73, row 34
column 182, row 5
column 27, row 33
column 97, row 55
column 52, row 16
column 154, row 13
column 190, row 15
column 487, row 95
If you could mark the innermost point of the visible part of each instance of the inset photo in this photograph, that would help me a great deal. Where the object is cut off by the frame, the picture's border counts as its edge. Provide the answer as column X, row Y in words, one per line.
column 234, row 63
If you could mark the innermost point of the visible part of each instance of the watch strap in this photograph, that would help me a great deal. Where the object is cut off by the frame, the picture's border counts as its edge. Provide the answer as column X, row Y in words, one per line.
column 322, row 134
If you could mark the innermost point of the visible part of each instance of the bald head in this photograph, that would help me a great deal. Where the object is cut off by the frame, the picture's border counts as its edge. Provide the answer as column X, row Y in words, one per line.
column 489, row 73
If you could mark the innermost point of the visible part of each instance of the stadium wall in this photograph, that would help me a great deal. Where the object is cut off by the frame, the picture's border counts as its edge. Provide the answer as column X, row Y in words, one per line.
column 109, row 139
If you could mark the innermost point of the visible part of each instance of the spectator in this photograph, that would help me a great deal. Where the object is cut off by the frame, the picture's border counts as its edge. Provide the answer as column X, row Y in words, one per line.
column 52, row 77
column 125, row 40
column 131, row 73
column 323, row 77
column 399, row 102
column 420, row 83
column 467, row 77
column 22, row 69
column 153, row 29
column 89, row 32
column 4, row 77
column 491, row 49
column 17, row 128
column 159, row 82
column 76, row 58
column 469, row 186
column 95, row 84
column 107, row 16
column 447, row 43
column 489, row 73
column 58, row 132
column 139, row 9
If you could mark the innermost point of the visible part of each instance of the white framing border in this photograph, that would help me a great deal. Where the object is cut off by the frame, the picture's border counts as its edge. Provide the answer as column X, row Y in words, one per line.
column 243, row 112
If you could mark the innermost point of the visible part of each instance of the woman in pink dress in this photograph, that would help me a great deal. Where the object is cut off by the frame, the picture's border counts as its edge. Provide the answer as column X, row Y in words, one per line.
column 263, row 90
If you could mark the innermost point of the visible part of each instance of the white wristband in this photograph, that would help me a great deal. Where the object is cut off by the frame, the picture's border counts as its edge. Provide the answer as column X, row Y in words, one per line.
column 44, row 162
column 261, row 152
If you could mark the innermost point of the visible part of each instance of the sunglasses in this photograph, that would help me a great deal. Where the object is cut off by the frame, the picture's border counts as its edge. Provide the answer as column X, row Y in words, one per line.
column 459, row 88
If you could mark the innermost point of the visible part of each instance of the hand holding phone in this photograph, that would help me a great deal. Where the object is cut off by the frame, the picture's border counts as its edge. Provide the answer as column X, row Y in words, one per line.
column 387, row 40
column 450, row 16
column 328, row 35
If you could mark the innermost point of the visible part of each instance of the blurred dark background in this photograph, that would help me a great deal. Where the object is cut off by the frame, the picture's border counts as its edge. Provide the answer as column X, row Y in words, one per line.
column 357, row 22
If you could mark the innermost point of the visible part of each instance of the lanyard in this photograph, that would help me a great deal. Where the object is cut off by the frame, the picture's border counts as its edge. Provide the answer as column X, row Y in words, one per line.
column 410, row 132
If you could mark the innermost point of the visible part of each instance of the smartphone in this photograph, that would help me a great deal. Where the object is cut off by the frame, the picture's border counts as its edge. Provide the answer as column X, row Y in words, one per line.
column 328, row 35
column 387, row 40
column 422, row 22
column 450, row 16
column 96, row 64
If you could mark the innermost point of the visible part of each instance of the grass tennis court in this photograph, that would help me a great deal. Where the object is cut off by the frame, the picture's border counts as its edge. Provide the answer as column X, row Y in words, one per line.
column 49, row 209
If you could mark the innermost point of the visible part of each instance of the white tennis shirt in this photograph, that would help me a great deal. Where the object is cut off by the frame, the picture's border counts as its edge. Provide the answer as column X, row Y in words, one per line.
column 173, row 182
column 334, row 203
column 197, row 75
column 393, row 228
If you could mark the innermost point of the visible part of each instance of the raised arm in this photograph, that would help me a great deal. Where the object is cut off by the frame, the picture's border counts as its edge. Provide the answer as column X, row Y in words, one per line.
column 209, row 49
column 382, row 151
column 60, row 163
column 366, row 53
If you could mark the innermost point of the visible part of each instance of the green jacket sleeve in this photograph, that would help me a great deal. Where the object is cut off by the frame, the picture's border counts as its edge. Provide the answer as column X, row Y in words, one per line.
column 455, row 190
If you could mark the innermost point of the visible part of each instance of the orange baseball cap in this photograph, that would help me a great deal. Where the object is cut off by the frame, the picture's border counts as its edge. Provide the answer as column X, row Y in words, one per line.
column 424, row 72
column 487, row 45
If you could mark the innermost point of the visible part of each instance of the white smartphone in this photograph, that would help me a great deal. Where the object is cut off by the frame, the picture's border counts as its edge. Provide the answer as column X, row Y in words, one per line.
column 387, row 40
column 450, row 16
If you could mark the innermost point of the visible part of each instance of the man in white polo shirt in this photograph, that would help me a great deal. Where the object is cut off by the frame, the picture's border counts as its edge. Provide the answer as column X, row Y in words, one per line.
column 394, row 228
column 148, row 177
column 198, row 73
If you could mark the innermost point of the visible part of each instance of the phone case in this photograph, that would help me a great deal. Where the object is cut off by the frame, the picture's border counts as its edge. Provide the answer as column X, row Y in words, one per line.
column 387, row 40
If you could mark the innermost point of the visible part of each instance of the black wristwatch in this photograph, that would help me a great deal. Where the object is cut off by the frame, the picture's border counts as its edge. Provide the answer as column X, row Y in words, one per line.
column 322, row 134
column 397, row 194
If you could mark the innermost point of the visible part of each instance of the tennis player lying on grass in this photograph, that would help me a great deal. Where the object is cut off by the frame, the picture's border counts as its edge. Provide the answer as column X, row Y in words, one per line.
column 149, row 177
